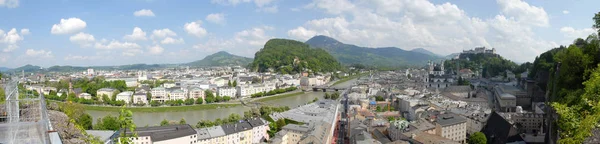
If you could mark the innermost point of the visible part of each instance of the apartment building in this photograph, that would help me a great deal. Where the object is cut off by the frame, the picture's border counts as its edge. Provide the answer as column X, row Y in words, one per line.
column 85, row 96
column 125, row 96
column 177, row 94
column 226, row 91
column 105, row 91
column 140, row 98
column 196, row 92
column 246, row 132
column 451, row 126
column 159, row 94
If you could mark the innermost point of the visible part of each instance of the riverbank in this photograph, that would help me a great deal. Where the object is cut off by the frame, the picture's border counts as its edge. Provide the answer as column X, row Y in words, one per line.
column 269, row 98
column 349, row 78
column 158, row 109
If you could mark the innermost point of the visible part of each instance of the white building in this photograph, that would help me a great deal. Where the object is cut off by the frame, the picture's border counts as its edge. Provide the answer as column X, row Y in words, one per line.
column 252, row 131
column 85, row 96
column 177, row 95
column 125, row 96
column 226, row 91
column 451, row 126
column 196, row 93
column 159, row 94
column 105, row 91
column 90, row 71
column 139, row 98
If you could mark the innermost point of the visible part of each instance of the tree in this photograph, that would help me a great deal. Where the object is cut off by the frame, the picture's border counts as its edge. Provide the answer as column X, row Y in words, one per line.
column 378, row 108
column 189, row 101
column 280, row 123
column 379, row 98
column 326, row 96
column 204, row 123
column 229, row 83
column 105, row 99
column 164, row 122
column 218, row 121
column 199, row 100
column 597, row 22
column 477, row 138
column 108, row 122
column 85, row 121
column 315, row 100
column 226, row 98
column 234, row 118
column 182, row 121
column 148, row 96
column 234, row 83
column 72, row 110
column 154, row 103
column 219, row 98
column 126, row 123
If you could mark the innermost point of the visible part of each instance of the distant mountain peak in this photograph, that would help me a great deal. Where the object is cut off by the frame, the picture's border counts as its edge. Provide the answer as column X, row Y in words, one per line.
column 424, row 51
column 323, row 39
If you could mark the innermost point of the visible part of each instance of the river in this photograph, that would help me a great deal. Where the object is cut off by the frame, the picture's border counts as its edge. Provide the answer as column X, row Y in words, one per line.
column 192, row 117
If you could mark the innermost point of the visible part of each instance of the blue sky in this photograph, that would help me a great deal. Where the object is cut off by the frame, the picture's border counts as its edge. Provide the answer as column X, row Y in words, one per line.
column 116, row 32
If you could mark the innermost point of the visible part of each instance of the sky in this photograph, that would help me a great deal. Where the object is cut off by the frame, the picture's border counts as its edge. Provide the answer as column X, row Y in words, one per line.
column 118, row 32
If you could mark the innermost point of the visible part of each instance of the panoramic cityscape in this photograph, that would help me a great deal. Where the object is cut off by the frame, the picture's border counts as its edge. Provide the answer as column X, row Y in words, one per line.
column 300, row 72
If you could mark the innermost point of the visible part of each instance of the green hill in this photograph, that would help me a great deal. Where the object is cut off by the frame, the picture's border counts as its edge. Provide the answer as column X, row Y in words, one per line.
column 290, row 56
column 380, row 57
column 221, row 58
column 424, row 51
column 491, row 64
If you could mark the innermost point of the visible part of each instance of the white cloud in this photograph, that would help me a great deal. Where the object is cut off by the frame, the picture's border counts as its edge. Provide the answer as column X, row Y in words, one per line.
column 83, row 39
column 194, row 28
column 162, row 33
column 143, row 12
column 270, row 9
column 68, row 26
column 10, row 40
column 80, row 58
column 136, row 35
column 132, row 52
column 156, row 49
column 572, row 33
column 255, row 36
column 442, row 28
column 114, row 44
column 170, row 40
column 565, row 12
column 25, row 32
column 524, row 13
column 258, row 3
column 9, row 3
column 39, row 53
column 301, row 33
column 217, row 18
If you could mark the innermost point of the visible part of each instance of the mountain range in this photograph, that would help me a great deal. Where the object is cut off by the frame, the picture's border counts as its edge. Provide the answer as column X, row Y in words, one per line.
column 349, row 54
column 221, row 58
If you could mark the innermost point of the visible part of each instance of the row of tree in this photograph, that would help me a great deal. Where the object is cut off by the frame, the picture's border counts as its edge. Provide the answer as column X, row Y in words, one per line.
column 273, row 92
column 332, row 96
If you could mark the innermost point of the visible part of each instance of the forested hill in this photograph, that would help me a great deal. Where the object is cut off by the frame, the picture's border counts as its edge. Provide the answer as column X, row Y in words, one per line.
column 381, row 57
column 290, row 56
column 222, row 58
column 491, row 64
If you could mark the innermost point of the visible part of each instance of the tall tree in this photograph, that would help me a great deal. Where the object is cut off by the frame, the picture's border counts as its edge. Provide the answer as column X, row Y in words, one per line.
column 597, row 22
column 182, row 121
column 164, row 122
column 85, row 121
column 234, row 84
column 477, row 138
column 126, row 123
column 229, row 83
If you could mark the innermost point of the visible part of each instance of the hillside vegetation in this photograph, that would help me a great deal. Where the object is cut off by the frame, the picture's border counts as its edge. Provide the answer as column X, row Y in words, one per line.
column 577, row 92
column 290, row 56
column 492, row 65
column 221, row 58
